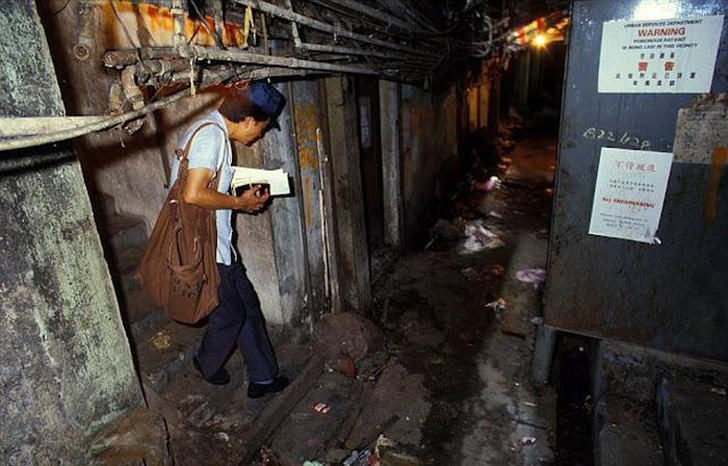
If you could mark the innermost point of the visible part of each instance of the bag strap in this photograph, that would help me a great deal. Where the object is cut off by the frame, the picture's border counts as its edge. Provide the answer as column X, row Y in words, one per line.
column 183, row 157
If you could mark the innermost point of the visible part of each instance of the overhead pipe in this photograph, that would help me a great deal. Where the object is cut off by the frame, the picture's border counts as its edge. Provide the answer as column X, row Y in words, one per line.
column 56, row 136
column 354, row 51
column 209, row 53
column 200, row 53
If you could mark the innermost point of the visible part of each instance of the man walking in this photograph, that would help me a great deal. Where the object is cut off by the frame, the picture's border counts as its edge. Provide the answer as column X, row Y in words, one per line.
column 246, row 113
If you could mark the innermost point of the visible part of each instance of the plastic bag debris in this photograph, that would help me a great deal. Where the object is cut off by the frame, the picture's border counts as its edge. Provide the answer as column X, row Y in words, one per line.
column 525, row 441
column 312, row 463
column 493, row 183
column 498, row 307
column 534, row 276
column 719, row 391
column 478, row 237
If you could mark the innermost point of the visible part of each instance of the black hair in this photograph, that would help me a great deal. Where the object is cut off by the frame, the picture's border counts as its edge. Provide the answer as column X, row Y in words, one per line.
column 236, row 106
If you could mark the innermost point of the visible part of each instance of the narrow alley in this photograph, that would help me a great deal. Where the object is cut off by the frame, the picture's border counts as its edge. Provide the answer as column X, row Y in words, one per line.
column 432, row 378
column 363, row 233
column 460, row 319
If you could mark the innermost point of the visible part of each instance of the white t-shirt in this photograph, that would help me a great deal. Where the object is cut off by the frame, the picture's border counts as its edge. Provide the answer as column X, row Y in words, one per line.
column 211, row 149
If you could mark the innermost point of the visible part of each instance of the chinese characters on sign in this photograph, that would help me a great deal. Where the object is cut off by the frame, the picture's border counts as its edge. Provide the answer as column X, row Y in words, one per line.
column 659, row 56
column 629, row 194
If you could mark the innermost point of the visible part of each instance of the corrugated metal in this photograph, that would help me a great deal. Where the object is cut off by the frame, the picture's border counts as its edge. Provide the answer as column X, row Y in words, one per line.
column 672, row 296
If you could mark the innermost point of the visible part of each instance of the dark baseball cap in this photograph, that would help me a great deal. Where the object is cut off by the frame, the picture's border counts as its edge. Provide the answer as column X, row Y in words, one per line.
column 267, row 98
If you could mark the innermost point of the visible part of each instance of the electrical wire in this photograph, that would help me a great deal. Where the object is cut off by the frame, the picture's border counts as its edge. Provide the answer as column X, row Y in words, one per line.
column 56, row 136
column 215, row 35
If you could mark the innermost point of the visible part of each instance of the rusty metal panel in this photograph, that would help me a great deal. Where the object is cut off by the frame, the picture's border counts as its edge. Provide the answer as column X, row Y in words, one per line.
column 672, row 296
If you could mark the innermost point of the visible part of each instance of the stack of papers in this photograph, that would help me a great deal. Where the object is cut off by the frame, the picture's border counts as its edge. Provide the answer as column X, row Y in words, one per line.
column 277, row 180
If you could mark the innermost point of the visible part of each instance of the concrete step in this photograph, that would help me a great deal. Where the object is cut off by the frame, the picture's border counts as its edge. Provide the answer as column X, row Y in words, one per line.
column 628, row 434
column 123, row 237
column 125, row 231
column 693, row 420
column 140, row 314
column 684, row 426
column 625, row 417
column 163, row 353
column 123, row 262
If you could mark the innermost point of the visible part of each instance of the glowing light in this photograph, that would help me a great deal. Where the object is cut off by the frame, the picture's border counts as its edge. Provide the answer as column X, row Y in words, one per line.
column 540, row 41
column 656, row 9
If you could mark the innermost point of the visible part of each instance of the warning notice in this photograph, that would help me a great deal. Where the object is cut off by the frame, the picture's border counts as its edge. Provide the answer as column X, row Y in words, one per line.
column 659, row 56
column 629, row 194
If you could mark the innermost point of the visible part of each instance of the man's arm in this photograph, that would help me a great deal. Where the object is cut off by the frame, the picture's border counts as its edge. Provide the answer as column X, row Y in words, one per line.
column 197, row 192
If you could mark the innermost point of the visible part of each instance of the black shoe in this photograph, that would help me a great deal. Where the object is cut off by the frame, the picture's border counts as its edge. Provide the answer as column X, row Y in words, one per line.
column 257, row 390
column 221, row 377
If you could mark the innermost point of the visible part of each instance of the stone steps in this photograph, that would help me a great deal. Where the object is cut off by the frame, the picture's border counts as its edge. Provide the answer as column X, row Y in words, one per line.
column 161, row 347
column 693, row 420
column 655, row 408
column 124, row 240
column 627, row 435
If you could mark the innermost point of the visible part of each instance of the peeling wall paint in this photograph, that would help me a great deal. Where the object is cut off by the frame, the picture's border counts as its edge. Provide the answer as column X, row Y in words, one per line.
column 150, row 24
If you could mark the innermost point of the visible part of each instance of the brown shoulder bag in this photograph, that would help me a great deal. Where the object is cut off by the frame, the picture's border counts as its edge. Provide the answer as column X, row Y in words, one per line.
column 178, row 269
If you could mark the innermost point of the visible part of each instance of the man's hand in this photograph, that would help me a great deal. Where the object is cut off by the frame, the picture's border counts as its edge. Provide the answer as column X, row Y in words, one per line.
column 252, row 200
column 198, row 193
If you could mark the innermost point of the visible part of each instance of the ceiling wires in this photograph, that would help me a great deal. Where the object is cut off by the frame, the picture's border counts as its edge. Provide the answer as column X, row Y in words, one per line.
column 406, row 40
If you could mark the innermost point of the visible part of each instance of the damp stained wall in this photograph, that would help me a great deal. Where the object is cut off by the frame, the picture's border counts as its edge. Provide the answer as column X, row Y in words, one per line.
column 65, row 364
column 429, row 151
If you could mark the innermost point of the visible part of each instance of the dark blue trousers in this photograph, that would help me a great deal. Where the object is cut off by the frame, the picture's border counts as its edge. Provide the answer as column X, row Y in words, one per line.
column 237, row 320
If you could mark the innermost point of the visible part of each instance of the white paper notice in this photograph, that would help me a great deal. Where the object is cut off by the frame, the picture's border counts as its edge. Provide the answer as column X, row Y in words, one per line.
column 659, row 56
column 629, row 194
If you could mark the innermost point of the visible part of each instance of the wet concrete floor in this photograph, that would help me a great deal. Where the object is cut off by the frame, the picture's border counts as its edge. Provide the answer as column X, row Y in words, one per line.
column 462, row 381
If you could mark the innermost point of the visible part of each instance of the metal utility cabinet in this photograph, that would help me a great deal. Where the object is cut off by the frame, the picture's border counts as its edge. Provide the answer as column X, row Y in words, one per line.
column 670, row 294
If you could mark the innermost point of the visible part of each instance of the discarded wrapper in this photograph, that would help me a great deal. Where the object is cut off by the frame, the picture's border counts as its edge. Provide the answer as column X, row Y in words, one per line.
column 536, row 277
column 322, row 408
